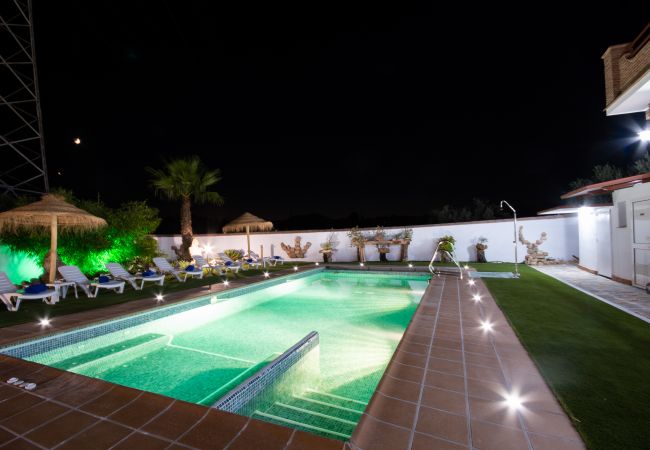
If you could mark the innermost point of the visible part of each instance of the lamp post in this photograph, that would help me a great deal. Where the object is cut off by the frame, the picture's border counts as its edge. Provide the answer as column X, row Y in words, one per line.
column 514, row 242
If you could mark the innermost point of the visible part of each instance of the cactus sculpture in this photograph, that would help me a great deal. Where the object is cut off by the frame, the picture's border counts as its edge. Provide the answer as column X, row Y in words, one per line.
column 297, row 251
column 534, row 256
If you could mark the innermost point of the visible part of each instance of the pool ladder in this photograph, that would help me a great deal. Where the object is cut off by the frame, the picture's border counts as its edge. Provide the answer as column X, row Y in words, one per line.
column 328, row 415
column 444, row 270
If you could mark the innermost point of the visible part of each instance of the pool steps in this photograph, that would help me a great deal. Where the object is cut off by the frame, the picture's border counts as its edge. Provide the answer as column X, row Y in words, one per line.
column 318, row 412
column 115, row 354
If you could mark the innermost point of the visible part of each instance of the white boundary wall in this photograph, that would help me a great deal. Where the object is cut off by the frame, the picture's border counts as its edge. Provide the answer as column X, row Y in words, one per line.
column 562, row 240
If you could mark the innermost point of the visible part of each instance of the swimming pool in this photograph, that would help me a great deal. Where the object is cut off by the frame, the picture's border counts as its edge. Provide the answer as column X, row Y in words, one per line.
column 200, row 353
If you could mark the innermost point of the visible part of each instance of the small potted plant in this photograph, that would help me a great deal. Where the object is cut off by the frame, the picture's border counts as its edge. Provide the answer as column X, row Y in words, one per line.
column 358, row 240
column 382, row 244
column 327, row 248
column 446, row 247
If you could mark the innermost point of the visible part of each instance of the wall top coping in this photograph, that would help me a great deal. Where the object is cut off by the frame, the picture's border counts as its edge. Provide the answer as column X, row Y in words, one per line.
column 329, row 230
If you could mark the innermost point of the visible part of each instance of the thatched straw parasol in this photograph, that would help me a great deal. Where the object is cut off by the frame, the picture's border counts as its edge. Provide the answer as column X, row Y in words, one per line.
column 247, row 222
column 50, row 212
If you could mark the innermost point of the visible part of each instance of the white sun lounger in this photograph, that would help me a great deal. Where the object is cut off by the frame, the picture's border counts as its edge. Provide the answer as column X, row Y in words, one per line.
column 166, row 267
column 203, row 264
column 8, row 292
column 273, row 260
column 72, row 273
column 229, row 263
column 120, row 273
column 264, row 261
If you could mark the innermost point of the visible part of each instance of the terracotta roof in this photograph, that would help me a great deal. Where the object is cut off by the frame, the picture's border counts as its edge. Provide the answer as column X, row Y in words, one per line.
column 608, row 186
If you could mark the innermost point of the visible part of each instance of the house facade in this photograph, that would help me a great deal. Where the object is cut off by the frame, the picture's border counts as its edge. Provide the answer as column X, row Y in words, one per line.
column 614, row 238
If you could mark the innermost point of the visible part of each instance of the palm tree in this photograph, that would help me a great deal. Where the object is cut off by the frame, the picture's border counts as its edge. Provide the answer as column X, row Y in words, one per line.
column 186, row 180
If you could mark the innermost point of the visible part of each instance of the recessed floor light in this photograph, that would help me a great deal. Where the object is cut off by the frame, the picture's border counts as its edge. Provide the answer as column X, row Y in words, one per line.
column 513, row 400
column 486, row 325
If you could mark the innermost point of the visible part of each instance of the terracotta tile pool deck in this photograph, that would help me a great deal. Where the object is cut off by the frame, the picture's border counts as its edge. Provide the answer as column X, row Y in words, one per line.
column 443, row 389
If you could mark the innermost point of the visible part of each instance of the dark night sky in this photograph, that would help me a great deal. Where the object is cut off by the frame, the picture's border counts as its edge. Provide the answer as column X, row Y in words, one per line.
column 328, row 110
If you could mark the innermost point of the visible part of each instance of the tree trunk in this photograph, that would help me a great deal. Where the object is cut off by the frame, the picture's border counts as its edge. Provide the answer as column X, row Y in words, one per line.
column 186, row 230
column 47, row 264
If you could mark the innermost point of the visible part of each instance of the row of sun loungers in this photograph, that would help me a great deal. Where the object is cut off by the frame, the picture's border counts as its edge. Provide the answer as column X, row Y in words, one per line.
column 73, row 277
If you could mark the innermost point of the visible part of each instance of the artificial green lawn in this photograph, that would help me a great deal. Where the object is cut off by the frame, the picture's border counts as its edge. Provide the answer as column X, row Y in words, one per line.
column 596, row 358
column 32, row 310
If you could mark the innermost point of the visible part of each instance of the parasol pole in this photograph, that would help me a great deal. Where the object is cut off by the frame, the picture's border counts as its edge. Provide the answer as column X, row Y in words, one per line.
column 248, row 240
column 53, row 243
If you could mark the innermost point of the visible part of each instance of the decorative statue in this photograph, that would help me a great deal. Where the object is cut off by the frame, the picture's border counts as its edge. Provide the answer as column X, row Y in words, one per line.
column 481, row 246
column 297, row 251
column 534, row 256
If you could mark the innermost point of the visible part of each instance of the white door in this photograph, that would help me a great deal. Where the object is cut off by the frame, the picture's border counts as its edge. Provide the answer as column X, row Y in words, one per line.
column 641, row 242
column 603, row 243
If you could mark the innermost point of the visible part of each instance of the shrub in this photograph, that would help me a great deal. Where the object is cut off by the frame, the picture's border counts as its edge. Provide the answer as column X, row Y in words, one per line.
column 235, row 255
column 123, row 240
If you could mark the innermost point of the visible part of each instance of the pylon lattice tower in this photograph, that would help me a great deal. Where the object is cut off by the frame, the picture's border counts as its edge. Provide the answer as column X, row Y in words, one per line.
column 23, row 168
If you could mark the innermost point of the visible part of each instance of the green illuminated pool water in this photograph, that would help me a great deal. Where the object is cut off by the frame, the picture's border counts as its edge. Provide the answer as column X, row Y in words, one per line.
column 200, row 354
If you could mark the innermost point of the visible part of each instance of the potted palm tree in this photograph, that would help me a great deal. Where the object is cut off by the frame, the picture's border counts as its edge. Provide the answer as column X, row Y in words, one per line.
column 187, row 180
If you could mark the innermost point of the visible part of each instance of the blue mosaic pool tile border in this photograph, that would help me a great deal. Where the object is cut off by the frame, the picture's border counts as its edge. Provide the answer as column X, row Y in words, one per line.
column 30, row 348
column 35, row 347
column 381, row 273
column 237, row 398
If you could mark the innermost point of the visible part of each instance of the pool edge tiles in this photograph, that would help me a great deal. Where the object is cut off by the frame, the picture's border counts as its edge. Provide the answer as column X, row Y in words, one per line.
column 33, row 346
column 242, row 394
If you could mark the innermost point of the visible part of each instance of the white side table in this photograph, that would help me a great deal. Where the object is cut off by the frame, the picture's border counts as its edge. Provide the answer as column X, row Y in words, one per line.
column 61, row 288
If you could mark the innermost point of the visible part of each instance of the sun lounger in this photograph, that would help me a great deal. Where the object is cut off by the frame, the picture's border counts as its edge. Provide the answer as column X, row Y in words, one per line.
column 120, row 273
column 72, row 273
column 229, row 263
column 201, row 263
column 166, row 267
column 12, row 298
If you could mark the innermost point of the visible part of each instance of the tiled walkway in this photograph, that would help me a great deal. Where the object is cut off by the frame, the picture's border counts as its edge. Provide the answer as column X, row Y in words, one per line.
column 70, row 411
column 447, row 385
column 630, row 299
